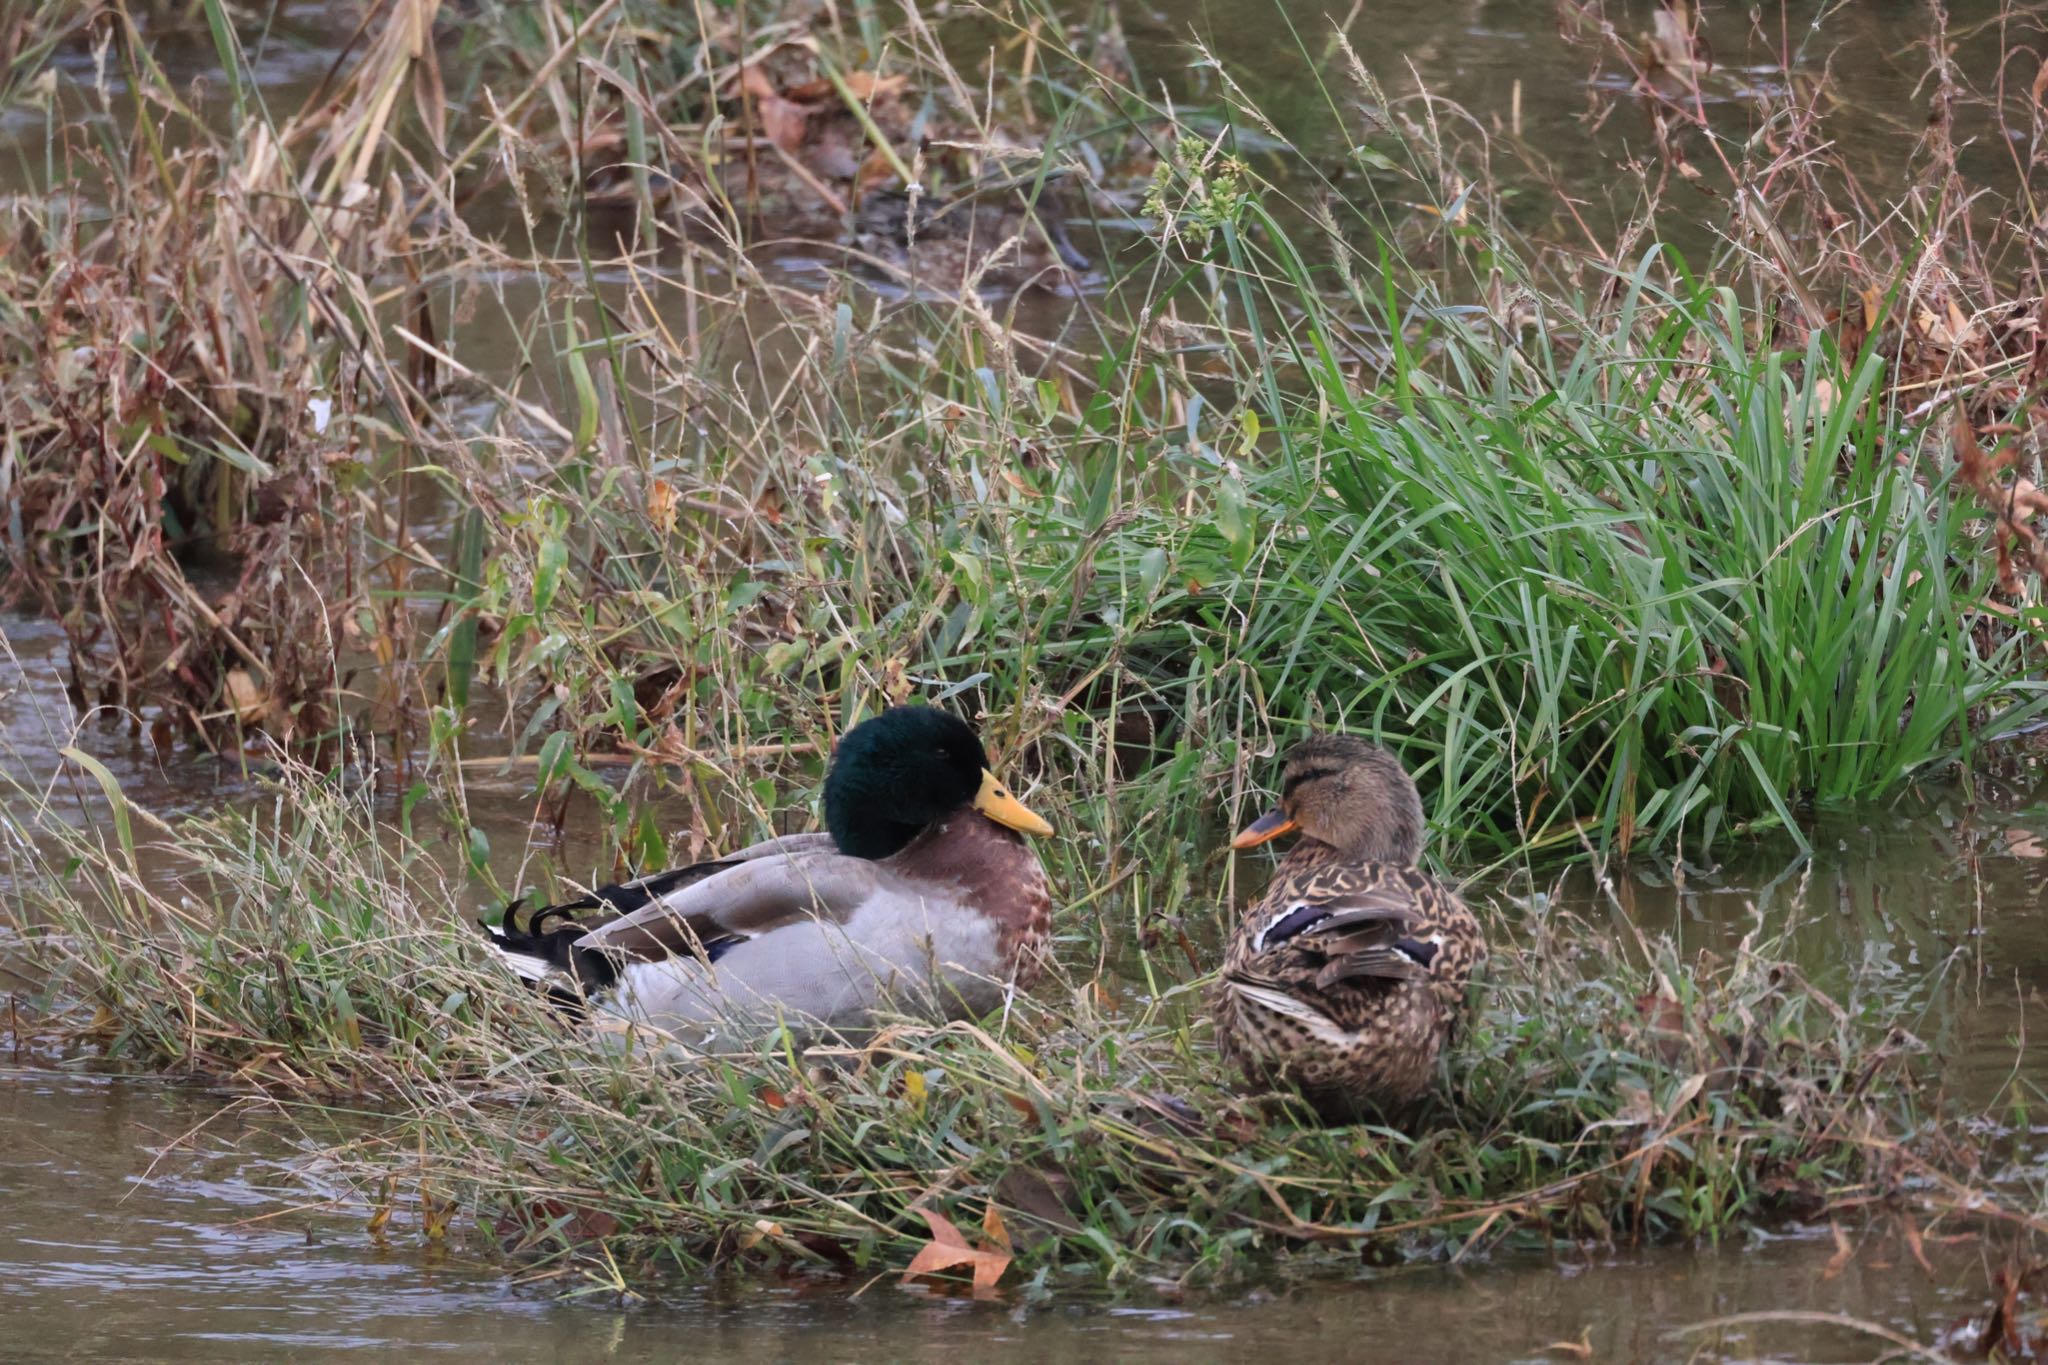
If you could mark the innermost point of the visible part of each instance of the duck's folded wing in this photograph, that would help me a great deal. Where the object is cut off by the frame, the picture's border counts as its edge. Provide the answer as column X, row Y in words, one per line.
column 1332, row 915
column 607, row 903
column 818, row 841
column 1382, row 962
column 739, row 900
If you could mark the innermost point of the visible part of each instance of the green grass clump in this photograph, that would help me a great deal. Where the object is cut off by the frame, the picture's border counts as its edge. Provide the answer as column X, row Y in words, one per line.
column 1605, row 1088
column 1654, row 582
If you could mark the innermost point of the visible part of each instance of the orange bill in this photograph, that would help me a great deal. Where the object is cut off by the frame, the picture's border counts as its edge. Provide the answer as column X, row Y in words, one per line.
column 1271, row 825
column 994, row 801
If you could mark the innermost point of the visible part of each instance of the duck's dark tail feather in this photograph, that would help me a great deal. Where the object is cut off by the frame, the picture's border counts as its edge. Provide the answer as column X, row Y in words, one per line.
column 544, row 952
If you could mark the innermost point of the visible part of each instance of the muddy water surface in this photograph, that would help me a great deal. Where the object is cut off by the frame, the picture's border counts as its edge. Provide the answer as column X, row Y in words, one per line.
column 153, row 1222
column 149, row 1221
column 126, row 1235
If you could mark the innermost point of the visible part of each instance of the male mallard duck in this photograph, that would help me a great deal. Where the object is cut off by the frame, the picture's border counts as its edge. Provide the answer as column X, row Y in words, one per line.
column 921, row 896
column 1349, row 974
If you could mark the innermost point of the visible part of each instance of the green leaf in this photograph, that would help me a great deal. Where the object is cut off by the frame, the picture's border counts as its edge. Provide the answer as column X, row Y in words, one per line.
column 586, row 400
column 123, row 830
column 547, row 573
column 1151, row 570
column 1234, row 519
column 469, row 551
column 556, row 758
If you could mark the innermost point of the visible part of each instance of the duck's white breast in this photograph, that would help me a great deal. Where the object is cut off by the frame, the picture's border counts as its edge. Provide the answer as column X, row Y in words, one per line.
column 900, row 952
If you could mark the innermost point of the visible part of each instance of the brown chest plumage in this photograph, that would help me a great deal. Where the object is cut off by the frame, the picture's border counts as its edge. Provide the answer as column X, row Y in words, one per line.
column 997, row 873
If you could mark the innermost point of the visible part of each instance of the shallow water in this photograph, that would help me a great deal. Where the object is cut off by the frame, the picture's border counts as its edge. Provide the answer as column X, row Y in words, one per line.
column 149, row 1222
column 145, row 1220
column 140, row 1220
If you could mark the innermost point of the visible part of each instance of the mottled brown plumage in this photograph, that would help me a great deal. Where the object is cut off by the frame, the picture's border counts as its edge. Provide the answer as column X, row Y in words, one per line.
column 1348, row 977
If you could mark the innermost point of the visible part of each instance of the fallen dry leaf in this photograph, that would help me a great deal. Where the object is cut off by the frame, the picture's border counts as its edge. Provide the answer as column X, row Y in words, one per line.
column 783, row 121
column 992, row 1227
column 2023, row 844
column 1582, row 1349
column 246, row 696
column 661, row 504
column 948, row 1248
column 864, row 86
column 1845, row 1251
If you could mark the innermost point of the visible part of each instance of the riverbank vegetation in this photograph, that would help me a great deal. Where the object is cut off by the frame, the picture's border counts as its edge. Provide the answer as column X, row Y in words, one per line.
column 1611, row 1089
column 471, row 416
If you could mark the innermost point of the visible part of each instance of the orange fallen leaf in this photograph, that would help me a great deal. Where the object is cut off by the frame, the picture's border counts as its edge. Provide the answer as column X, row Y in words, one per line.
column 948, row 1248
column 1582, row 1349
column 1845, row 1251
column 783, row 121
column 661, row 504
column 864, row 86
column 992, row 1226
column 246, row 696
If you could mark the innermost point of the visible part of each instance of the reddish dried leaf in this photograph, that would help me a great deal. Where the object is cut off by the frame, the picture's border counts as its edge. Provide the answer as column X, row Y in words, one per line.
column 948, row 1249
column 780, row 119
column 1845, row 1251
column 784, row 122
column 864, row 86
column 1913, row 1244
column 992, row 1226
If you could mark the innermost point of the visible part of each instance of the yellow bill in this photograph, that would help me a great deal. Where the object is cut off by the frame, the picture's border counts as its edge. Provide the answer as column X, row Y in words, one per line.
column 994, row 801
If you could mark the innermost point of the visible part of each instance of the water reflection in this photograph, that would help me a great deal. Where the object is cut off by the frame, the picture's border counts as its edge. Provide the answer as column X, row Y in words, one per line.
column 141, row 1221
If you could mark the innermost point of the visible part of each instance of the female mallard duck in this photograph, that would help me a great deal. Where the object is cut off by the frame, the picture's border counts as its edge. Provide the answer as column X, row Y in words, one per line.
column 920, row 897
column 1348, row 976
